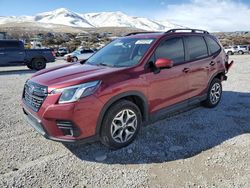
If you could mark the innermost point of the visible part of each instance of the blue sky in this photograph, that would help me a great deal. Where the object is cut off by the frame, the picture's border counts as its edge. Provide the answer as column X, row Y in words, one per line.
column 134, row 7
column 212, row 15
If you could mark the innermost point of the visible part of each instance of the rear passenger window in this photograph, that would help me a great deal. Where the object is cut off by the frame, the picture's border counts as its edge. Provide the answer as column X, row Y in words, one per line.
column 9, row 44
column 196, row 47
column 213, row 46
column 171, row 49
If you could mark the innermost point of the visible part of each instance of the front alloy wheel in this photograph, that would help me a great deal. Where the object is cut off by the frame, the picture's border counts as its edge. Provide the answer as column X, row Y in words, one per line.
column 124, row 126
column 121, row 124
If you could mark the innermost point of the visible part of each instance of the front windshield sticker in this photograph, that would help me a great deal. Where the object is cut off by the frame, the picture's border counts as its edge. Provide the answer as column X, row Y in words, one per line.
column 118, row 44
column 144, row 41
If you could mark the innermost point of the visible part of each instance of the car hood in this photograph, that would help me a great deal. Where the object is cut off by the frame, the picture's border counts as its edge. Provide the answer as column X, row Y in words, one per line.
column 64, row 76
column 71, row 54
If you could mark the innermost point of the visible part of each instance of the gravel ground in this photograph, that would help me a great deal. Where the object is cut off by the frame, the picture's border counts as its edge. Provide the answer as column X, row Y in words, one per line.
column 198, row 148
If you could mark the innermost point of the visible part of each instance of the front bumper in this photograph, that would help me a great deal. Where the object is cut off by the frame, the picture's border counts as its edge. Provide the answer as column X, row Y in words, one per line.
column 83, row 115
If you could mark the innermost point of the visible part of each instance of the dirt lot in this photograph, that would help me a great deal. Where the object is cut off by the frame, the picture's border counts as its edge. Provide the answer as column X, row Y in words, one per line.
column 199, row 148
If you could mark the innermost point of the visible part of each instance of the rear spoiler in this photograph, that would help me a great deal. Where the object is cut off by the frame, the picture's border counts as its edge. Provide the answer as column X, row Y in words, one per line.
column 228, row 65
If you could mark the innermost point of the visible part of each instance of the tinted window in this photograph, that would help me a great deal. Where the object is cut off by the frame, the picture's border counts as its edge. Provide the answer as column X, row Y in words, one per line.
column 212, row 45
column 171, row 49
column 9, row 44
column 197, row 47
column 87, row 51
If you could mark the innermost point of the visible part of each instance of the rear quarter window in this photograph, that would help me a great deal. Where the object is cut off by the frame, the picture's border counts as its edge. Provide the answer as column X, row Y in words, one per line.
column 213, row 46
column 196, row 47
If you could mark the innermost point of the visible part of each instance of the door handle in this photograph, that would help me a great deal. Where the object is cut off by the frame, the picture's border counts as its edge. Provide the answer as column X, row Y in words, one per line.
column 21, row 53
column 1, row 53
column 186, row 70
column 212, row 63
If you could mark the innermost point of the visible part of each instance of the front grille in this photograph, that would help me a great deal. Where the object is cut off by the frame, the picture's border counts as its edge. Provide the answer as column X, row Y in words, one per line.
column 34, row 94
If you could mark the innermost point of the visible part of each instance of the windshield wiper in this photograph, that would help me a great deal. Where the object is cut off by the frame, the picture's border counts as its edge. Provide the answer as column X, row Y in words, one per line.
column 105, row 64
column 99, row 64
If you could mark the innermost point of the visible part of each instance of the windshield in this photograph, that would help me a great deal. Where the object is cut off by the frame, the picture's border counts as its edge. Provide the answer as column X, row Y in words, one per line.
column 78, row 51
column 123, row 52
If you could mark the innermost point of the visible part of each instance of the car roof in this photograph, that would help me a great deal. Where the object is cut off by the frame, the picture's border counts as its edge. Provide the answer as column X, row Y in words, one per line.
column 148, row 34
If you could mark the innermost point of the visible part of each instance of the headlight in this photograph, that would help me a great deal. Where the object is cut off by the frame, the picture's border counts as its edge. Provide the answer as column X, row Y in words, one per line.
column 74, row 93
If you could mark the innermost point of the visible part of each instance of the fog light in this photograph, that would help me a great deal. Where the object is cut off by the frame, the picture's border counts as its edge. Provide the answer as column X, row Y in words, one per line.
column 68, row 128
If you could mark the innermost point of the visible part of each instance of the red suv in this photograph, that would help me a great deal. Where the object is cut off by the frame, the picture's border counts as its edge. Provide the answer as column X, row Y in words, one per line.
column 133, row 81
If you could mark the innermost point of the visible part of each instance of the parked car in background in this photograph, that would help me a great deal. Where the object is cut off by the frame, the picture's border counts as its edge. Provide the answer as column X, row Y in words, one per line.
column 230, row 50
column 79, row 55
column 241, row 49
column 12, row 52
column 61, row 52
column 133, row 81
column 237, row 49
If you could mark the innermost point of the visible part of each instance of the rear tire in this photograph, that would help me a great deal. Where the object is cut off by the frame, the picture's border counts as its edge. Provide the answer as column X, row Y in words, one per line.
column 241, row 52
column 214, row 94
column 230, row 53
column 121, row 124
column 38, row 64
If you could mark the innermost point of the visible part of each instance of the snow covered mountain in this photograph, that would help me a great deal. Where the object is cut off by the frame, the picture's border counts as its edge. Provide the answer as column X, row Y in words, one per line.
column 119, row 19
column 16, row 19
column 66, row 17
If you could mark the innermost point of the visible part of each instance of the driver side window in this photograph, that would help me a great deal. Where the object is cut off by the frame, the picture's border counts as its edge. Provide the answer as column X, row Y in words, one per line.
column 171, row 49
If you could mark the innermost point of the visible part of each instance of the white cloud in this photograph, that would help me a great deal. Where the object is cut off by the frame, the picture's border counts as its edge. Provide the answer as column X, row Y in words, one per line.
column 212, row 15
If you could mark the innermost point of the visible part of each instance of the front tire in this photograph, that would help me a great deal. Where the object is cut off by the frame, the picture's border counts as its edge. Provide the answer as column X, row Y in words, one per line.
column 121, row 124
column 214, row 94
column 74, row 59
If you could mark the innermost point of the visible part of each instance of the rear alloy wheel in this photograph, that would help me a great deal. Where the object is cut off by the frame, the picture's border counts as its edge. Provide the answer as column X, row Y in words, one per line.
column 214, row 94
column 121, row 124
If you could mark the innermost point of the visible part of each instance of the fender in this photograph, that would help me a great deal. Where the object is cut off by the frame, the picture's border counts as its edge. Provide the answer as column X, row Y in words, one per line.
column 36, row 57
column 213, row 76
column 115, row 99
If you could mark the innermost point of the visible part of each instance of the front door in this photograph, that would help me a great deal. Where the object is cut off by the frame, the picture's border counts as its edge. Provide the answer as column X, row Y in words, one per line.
column 169, row 86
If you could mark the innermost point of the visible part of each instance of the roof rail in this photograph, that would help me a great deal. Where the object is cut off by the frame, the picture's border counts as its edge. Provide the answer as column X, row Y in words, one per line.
column 191, row 30
column 141, row 32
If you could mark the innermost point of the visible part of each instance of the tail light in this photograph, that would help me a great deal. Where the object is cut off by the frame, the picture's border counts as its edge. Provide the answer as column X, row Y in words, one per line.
column 53, row 53
column 229, row 65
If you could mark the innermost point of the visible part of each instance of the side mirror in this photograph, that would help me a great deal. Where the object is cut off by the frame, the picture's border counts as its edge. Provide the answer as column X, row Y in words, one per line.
column 164, row 63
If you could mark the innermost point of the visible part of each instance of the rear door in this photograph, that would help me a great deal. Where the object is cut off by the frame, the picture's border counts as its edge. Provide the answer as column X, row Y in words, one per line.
column 169, row 86
column 199, row 64
column 216, row 60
